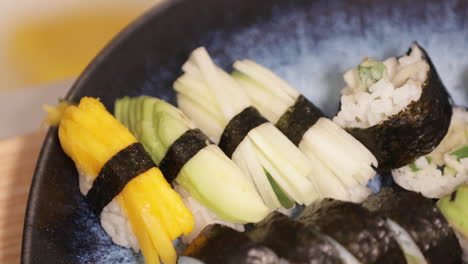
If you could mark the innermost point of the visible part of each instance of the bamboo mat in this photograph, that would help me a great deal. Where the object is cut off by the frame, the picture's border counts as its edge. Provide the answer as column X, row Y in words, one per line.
column 18, row 156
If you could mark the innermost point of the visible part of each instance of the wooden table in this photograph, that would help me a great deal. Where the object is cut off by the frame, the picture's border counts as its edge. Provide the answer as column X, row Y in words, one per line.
column 18, row 156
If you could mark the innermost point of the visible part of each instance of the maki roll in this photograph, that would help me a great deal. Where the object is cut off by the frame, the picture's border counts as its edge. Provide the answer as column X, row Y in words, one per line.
column 455, row 209
column 199, row 170
column 441, row 171
column 418, row 225
column 363, row 234
column 399, row 108
column 121, row 184
column 293, row 241
column 341, row 164
column 281, row 173
column 220, row 244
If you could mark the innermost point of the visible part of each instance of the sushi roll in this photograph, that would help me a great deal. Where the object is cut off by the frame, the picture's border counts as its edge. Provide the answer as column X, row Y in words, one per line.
column 217, row 104
column 220, row 244
column 360, row 232
column 441, row 171
column 293, row 241
column 342, row 165
column 419, row 227
column 121, row 184
column 399, row 108
column 211, row 185
column 455, row 209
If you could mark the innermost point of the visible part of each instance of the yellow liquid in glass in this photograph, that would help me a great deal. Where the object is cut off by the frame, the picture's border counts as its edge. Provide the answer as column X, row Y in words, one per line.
column 59, row 47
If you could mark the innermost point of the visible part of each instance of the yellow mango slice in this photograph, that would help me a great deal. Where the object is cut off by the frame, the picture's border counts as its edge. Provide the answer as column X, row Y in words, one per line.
column 98, row 139
column 91, row 136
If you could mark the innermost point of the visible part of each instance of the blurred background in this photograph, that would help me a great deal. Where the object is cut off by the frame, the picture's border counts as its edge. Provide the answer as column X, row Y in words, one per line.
column 44, row 45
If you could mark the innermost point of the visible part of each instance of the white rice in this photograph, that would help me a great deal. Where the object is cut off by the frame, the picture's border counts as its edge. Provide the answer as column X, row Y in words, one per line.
column 188, row 260
column 202, row 216
column 428, row 179
column 364, row 107
column 113, row 220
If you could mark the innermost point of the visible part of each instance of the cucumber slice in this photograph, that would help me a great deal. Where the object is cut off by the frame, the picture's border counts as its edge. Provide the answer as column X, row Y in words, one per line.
column 455, row 209
column 123, row 118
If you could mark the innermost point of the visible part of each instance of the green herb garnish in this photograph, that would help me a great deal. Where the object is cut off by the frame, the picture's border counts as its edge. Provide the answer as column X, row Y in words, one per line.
column 283, row 198
column 370, row 71
column 429, row 160
column 460, row 153
column 413, row 167
column 449, row 171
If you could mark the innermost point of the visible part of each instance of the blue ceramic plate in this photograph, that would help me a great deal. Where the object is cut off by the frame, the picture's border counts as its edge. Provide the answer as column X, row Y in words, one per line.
column 309, row 43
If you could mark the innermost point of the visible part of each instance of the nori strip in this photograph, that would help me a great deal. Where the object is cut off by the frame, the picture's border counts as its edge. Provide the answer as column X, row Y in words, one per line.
column 116, row 173
column 422, row 220
column 295, row 122
column 363, row 234
column 181, row 151
column 413, row 132
column 220, row 244
column 238, row 128
column 293, row 241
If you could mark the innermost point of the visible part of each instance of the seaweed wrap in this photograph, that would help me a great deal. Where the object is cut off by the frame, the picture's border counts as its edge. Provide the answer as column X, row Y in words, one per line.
column 293, row 241
column 441, row 171
column 136, row 205
column 455, row 209
column 220, row 244
column 211, row 185
column 363, row 234
column 399, row 108
column 217, row 104
column 420, row 222
column 342, row 165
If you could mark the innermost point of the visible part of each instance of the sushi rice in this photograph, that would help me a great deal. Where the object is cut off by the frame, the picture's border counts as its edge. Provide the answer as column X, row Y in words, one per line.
column 203, row 216
column 440, row 172
column 378, row 90
column 113, row 220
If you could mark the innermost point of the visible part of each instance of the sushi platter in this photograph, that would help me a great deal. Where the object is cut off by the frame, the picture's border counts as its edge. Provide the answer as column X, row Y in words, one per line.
column 269, row 132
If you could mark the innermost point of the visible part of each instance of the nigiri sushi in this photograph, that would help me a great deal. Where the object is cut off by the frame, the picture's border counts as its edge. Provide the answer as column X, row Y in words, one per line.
column 342, row 165
column 136, row 205
column 399, row 108
column 441, row 171
column 217, row 104
column 212, row 186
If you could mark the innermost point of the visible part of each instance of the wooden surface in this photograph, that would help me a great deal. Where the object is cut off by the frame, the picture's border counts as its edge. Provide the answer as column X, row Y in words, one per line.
column 18, row 156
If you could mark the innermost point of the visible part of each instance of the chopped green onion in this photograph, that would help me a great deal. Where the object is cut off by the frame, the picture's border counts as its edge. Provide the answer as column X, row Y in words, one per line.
column 284, row 200
column 429, row 160
column 371, row 71
column 460, row 153
column 413, row 167
column 449, row 171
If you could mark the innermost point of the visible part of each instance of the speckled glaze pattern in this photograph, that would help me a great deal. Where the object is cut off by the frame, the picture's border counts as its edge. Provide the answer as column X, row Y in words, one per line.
column 309, row 43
